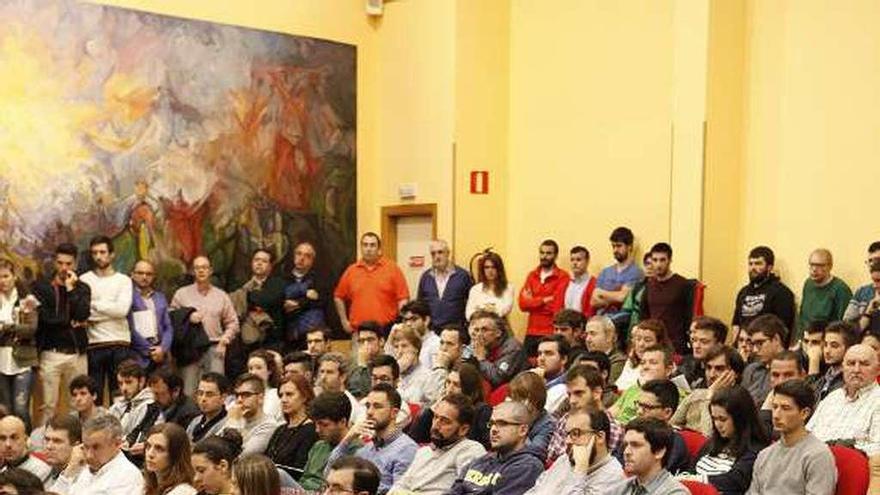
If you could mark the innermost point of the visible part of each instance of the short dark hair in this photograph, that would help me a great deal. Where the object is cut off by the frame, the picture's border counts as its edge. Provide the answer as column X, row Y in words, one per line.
column 25, row 482
column 599, row 421
column 219, row 379
column 600, row 358
column 816, row 326
column 589, row 374
column 83, row 381
column 264, row 250
column 551, row 243
column 718, row 328
column 666, row 350
column 391, row 392
column 334, row 406
column 372, row 326
column 657, row 433
column 622, row 235
column 365, row 475
column 763, row 252
column 169, row 376
column 385, row 360
column 662, row 248
column 101, row 239
column 771, row 326
column 646, row 258
column 569, row 318
column 463, row 404
column 258, row 382
column 417, row 307
column 325, row 332
column 875, row 246
column 580, row 249
column 562, row 345
column 300, row 357
column 799, row 391
column 798, row 358
column 373, row 235
column 69, row 423
column 67, row 248
column 129, row 368
column 845, row 330
column 665, row 391
column 464, row 338
column 731, row 355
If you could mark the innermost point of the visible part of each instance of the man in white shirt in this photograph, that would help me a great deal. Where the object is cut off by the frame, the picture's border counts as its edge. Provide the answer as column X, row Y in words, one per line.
column 108, row 471
column 582, row 284
column 853, row 411
column 108, row 330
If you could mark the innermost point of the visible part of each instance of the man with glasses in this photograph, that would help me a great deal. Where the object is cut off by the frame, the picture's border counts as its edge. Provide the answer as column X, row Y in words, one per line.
column 385, row 369
column 705, row 333
column 586, row 466
column 387, row 447
column 211, row 401
column 767, row 335
column 868, row 293
column 351, row 475
column 499, row 354
column 658, row 400
column 151, row 330
column 511, row 468
column 824, row 297
column 246, row 414
column 215, row 312
column 445, row 287
column 436, row 466
column 370, row 343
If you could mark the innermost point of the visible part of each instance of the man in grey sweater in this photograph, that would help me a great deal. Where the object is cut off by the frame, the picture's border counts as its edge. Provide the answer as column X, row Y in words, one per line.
column 799, row 463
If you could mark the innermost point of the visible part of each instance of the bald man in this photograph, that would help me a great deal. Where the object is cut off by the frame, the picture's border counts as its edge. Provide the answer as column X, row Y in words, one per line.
column 151, row 331
column 825, row 297
column 14, row 452
column 445, row 287
column 852, row 412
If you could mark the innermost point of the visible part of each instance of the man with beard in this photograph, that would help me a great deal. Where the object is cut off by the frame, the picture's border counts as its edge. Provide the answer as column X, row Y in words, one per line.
column 764, row 294
column 511, row 468
column 837, row 338
column 388, row 447
column 616, row 281
column 668, row 298
column 542, row 295
column 587, row 466
column 436, row 466
column 108, row 331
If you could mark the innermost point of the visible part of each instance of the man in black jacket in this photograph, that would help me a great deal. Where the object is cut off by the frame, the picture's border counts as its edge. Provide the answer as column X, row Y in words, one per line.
column 764, row 294
column 61, row 330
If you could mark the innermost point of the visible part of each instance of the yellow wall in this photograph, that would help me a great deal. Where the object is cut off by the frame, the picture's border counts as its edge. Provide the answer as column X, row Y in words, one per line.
column 810, row 170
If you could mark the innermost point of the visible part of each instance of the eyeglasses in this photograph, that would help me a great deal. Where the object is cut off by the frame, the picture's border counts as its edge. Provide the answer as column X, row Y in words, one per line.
column 333, row 489
column 245, row 394
column 500, row 423
column 576, row 433
column 648, row 407
column 207, row 393
column 756, row 343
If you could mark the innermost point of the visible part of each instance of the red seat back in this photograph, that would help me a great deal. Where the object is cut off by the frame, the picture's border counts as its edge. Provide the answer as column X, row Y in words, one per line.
column 498, row 395
column 853, row 473
column 697, row 488
column 414, row 410
column 694, row 441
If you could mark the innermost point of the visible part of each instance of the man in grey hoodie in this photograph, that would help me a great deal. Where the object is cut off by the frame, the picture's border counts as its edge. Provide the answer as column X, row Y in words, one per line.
column 512, row 467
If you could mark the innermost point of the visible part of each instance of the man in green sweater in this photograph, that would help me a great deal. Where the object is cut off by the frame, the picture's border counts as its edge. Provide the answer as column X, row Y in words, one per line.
column 330, row 412
column 825, row 297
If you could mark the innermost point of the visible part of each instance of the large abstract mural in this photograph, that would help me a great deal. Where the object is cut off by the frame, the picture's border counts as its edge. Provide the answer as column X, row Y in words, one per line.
column 173, row 137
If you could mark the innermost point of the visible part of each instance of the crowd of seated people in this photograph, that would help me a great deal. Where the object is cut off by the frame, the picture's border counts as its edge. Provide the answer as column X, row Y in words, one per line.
column 620, row 385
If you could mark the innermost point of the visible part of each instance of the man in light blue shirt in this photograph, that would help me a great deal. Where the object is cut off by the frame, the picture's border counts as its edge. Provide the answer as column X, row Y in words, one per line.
column 615, row 281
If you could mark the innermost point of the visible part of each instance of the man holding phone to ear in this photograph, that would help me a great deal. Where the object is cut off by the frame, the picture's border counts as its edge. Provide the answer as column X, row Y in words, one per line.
column 587, row 466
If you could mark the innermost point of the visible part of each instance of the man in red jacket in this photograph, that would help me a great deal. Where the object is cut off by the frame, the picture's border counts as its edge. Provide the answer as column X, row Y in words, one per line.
column 542, row 295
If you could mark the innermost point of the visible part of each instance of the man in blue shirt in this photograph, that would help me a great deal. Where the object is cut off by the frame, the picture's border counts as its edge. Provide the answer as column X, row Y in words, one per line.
column 615, row 281
column 445, row 287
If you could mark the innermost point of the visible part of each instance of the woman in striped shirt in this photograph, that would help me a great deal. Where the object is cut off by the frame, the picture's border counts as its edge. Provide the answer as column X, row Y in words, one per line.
column 726, row 460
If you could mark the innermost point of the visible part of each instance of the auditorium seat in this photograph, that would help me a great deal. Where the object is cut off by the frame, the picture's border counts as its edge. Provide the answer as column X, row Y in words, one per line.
column 853, row 474
column 694, row 441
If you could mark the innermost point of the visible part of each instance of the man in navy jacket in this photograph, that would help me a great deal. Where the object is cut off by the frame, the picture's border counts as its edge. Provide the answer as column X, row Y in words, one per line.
column 445, row 287
column 148, row 319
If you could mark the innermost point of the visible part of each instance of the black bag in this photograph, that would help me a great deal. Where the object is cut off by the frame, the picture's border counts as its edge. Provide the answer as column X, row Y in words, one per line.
column 190, row 340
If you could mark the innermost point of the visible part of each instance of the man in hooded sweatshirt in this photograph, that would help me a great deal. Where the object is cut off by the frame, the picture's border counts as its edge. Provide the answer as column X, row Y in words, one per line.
column 764, row 294
column 511, row 468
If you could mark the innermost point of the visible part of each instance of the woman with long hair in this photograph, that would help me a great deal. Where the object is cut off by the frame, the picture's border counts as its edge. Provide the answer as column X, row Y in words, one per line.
column 492, row 292
column 168, row 466
column 18, row 352
column 289, row 446
column 263, row 364
column 464, row 379
column 255, row 474
column 212, row 461
column 644, row 335
column 727, row 459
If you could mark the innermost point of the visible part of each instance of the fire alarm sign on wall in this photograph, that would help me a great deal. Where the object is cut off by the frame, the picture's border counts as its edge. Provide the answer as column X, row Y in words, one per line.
column 479, row 182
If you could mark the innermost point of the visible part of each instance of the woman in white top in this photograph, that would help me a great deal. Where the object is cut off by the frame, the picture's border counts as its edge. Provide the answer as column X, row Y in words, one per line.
column 168, row 466
column 18, row 354
column 492, row 292
column 263, row 364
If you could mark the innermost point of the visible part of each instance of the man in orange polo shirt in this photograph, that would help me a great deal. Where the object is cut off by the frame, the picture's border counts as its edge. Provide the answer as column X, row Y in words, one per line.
column 373, row 288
